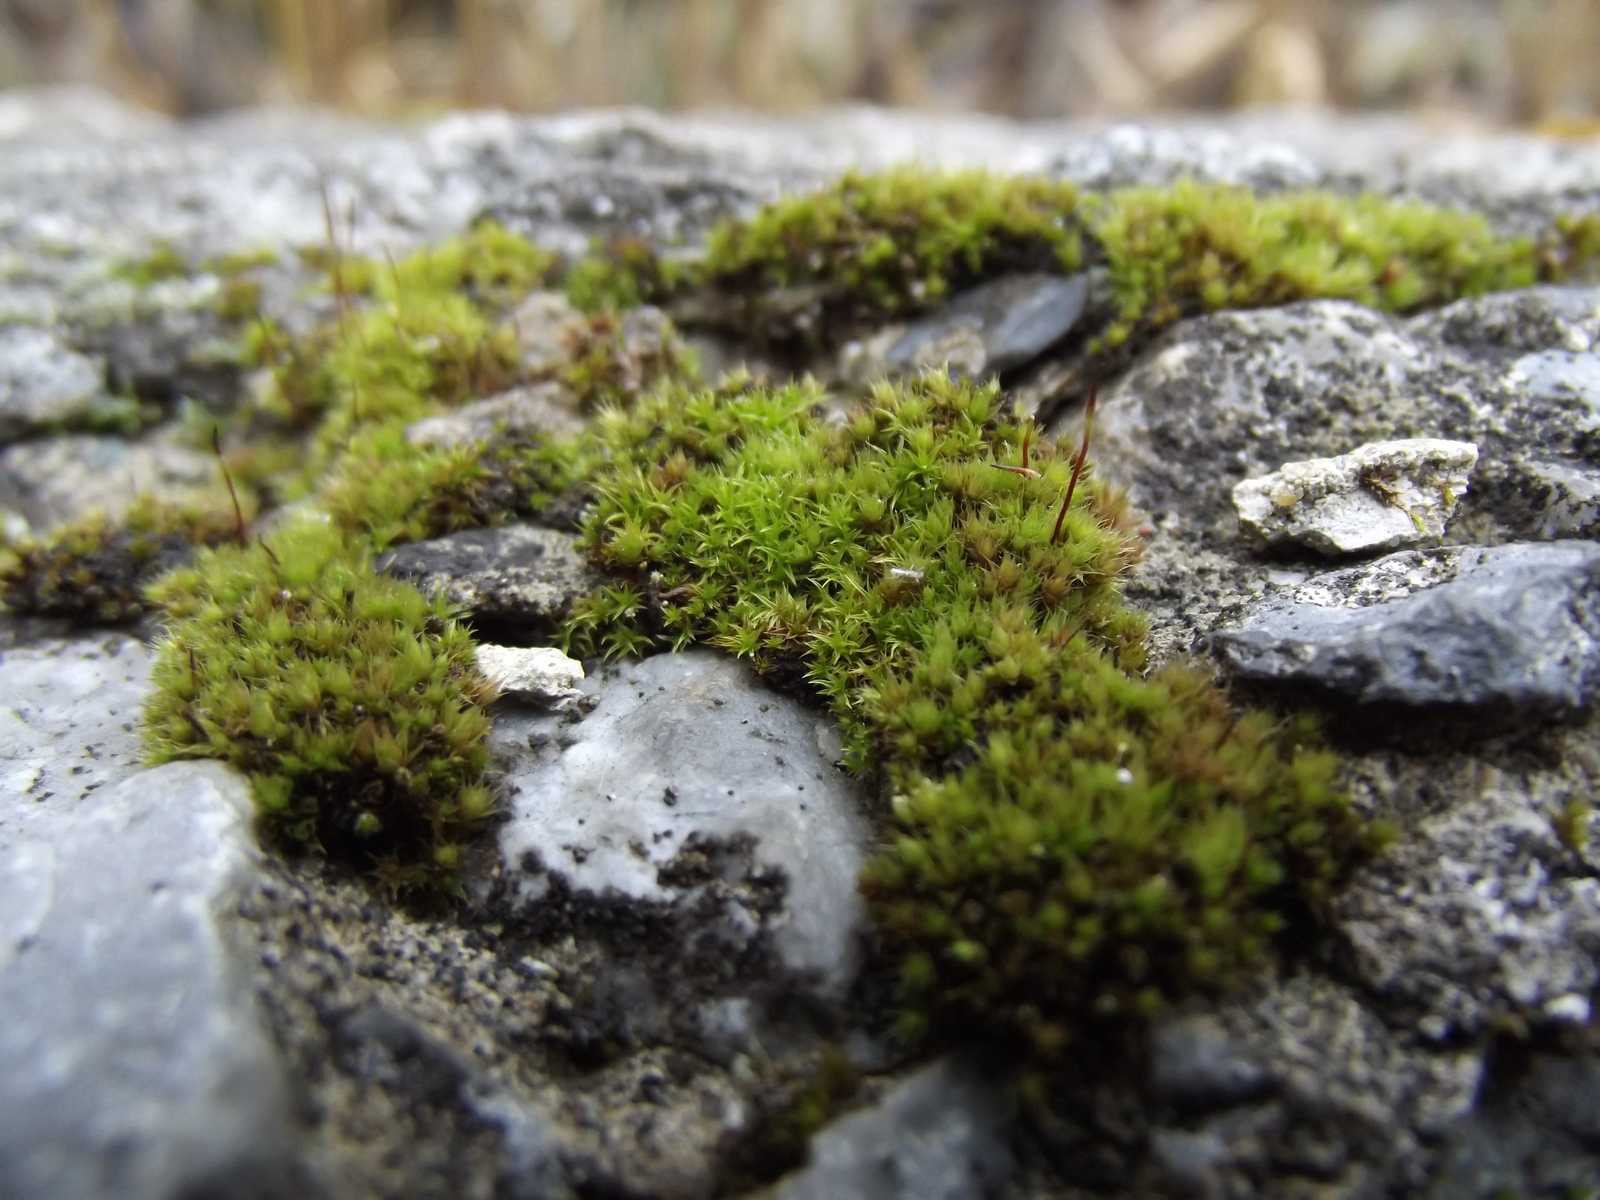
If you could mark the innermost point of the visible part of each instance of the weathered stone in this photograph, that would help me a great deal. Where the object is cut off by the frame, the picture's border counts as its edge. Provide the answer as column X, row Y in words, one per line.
column 1520, row 322
column 940, row 1135
column 1512, row 627
column 1194, row 1063
column 995, row 327
column 1379, row 497
column 42, row 382
column 539, row 676
column 522, row 574
column 544, row 325
column 683, row 756
column 547, row 408
column 51, row 482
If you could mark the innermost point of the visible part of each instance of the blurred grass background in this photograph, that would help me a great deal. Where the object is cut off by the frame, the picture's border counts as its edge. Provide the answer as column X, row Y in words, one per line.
column 1502, row 61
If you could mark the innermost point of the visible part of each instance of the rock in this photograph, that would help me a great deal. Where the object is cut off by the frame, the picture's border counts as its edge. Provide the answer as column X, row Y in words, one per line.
column 545, row 324
column 995, row 327
column 686, row 768
column 542, row 677
column 1481, row 909
column 1379, row 497
column 1194, row 1064
column 1557, row 376
column 1512, row 628
column 940, row 1135
column 1521, row 322
column 132, row 1064
column 1563, row 498
column 523, row 575
column 57, row 480
column 546, row 408
column 43, row 383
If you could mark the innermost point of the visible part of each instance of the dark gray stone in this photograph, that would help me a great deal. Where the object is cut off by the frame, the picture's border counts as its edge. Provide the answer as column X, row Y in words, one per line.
column 1512, row 627
column 995, row 327
column 522, row 574
column 940, row 1135
column 1195, row 1063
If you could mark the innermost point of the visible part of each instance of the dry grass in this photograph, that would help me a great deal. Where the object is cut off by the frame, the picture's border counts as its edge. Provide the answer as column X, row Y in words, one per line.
column 1502, row 59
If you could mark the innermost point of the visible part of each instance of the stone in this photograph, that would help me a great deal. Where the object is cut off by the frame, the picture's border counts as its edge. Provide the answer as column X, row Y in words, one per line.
column 524, row 575
column 1379, row 497
column 686, row 767
column 939, row 1135
column 53, row 481
column 1511, row 628
column 544, row 325
column 43, row 382
column 1195, row 1064
column 995, row 327
column 1552, row 317
column 1563, row 498
column 539, row 676
column 546, row 408
column 132, row 1060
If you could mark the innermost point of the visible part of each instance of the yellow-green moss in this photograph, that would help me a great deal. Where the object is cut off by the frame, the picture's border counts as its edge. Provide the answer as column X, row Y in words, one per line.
column 351, row 700
column 1073, row 838
column 622, row 274
column 96, row 569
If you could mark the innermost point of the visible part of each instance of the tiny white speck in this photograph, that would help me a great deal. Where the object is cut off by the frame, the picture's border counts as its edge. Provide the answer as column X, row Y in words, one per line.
column 1124, row 776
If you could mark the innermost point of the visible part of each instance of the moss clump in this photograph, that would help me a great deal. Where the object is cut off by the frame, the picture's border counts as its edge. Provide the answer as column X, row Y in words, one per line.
column 874, row 246
column 489, row 265
column 387, row 491
column 1073, row 837
column 96, row 569
column 614, row 360
column 350, row 699
column 624, row 273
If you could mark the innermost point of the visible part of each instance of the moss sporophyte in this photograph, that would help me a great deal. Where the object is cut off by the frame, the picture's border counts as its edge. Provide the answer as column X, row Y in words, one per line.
column 1066, row 832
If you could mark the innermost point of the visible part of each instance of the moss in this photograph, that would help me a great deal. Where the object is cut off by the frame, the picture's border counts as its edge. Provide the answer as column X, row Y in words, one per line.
column 622, row 274
column 387, row 491
column 1073, row 838
column 96, row 569
column 163, row 262
column 350, row 699
column 875, row 246
column 489, row 265
column 614, row 360
column 239, row 300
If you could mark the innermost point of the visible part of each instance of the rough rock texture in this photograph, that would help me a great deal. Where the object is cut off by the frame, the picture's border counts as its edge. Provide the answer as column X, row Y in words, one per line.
column 1382, row 496
column 937, row 1136
column 687, row 770
column 545, row 408
column 1515, row 628
column 523, row 576
column 133, row 1061
column 539, row 676
column 56, row 480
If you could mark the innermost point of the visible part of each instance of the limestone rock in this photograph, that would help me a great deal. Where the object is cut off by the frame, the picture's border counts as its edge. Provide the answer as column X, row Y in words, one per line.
column 56, row 480
column 42, row 382
column 523, row 574
column 1379, row 497
column 546, row 408
column 1515, row 628
column 937, row 1136
column 540, row 676
column 649, row 796
column 994, row 327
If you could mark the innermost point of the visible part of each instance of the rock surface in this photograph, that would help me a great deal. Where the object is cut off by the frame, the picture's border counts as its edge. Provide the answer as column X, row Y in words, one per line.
column 995, row 327
column 1379, row 497
column 546, row 408
column 42, row 382
column 542, row 677
column 1515, row 628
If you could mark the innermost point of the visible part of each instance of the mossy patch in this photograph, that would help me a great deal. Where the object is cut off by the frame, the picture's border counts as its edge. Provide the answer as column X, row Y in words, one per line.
column 622, row 274
column 96, row 569
column 1073, row 838
column 350, row 700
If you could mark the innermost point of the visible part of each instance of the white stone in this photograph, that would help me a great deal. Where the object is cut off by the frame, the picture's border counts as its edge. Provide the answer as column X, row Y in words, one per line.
column 1380, row 497
column 538, row 675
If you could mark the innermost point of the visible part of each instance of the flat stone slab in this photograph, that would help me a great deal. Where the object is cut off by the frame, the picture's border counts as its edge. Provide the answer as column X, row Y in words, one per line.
column 1513, row 626
column 684, row 750
column 1379, row 497
column 995, row 327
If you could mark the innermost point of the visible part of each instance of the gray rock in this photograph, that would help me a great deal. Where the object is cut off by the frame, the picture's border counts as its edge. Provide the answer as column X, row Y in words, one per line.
column 1563, row 498
column 43, row 382
column 524, row 574
column 686, row 752
column 1560, row 375
column 1514, row 628
column 54, row 481
column 940, row 1135
column 132, row 1060
column 1379, row 497
column 544, row 324
column 1194, row 1063
column 539, row 676
column 1514, row 323
column 995, row 327
column 546, row 408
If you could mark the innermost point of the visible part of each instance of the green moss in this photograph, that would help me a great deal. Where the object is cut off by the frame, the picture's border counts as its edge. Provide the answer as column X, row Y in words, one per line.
column 96, row 569
column 875, row 246
column 1073, row 837
column 489, row 265
column 239, row 300
column 350, row 700
column 614, row 360
column 386, row 491
column 163, row 262
column 623, row 274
